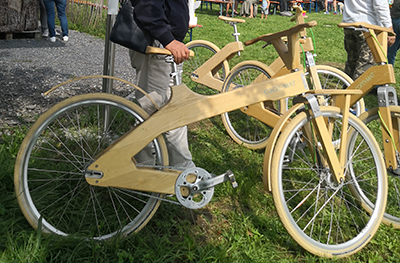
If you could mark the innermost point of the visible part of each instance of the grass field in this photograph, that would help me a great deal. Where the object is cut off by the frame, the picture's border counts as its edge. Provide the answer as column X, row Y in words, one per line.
column 239, row 225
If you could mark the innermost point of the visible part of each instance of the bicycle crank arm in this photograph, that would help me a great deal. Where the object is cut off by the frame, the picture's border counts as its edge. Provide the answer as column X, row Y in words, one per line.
column 227, row 176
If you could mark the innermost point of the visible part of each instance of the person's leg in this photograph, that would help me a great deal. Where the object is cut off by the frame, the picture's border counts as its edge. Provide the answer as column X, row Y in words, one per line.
column 334, row 7
column 51, row 16
column 350, row 46
column 326, row 7
column 61, row 7
column 365, row 60
column 228, row 5
column 43, row 19
column 243, row 10
column 285, row 6
column 236, row 7
column 391, row 55
column 152, row 75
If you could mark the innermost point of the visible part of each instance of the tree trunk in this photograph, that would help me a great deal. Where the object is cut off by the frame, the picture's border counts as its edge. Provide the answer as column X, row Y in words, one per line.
column 18, row 15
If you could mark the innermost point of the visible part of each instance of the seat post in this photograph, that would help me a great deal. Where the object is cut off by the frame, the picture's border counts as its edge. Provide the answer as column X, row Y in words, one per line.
column 236, row 34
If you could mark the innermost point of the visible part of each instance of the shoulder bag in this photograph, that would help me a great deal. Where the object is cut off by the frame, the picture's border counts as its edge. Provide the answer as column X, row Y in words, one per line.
column 126, row 32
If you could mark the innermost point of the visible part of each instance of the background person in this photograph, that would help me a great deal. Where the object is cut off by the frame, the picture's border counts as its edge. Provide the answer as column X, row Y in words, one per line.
column 43, row 19
column 51, row 15
column 375, row 12
column 334, row 7
column 395, row 14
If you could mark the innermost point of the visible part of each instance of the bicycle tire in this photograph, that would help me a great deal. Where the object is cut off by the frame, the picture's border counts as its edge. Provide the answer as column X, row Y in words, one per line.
column 242, row 128
column 203, row 51
column 324, row 217
column 252, row 133
column 49, row 174
column 372, row 120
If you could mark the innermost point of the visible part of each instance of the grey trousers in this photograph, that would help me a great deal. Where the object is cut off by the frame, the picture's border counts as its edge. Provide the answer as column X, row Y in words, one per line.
column 153, row 76
column 43, row 17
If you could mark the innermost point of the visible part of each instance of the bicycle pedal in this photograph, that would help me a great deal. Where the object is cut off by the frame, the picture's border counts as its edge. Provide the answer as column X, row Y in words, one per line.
column 232, row 179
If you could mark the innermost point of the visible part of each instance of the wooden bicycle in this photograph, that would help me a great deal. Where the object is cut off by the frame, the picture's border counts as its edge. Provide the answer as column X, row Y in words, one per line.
column 383, row 120
column 76, row 175
column 209, row 75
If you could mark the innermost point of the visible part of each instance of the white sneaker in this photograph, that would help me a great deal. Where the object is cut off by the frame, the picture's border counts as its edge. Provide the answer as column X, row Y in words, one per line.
column 45, row 34
column 65, row 38
column 57, row 33
column 53, row 39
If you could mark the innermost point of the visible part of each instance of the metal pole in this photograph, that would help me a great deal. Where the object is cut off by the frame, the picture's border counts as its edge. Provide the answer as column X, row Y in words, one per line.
column 109, row 56
column 109, row 50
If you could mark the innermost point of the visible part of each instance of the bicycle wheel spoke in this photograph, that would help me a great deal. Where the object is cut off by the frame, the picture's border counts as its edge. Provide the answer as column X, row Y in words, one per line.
column 320, row 213
column 51, row 174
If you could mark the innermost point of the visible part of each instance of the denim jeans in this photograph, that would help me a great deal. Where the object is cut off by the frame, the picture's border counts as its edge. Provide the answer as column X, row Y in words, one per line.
column 393, row 49
column 51, row 14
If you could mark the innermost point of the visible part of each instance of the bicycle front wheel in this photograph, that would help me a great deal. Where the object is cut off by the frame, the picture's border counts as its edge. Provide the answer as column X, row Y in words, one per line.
column 242, row 128
column 203, row 51
column 325, row 217
column 49, row 173
column 372, row 120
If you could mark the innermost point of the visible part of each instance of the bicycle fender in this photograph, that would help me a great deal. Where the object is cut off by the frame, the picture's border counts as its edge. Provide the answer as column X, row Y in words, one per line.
column 269, row 150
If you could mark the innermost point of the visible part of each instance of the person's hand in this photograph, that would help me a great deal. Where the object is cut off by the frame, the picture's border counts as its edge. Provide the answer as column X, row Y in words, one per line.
column 178, row 50
column 391, row 40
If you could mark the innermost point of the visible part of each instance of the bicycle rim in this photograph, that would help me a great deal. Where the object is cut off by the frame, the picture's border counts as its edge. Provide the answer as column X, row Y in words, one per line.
column 49, row 173
column 325, row 217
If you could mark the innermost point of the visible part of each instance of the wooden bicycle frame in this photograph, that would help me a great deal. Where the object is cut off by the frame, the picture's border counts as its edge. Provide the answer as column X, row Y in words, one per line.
column 281, row 66
column 374, row 76
column 204, row 74
column 116, row 167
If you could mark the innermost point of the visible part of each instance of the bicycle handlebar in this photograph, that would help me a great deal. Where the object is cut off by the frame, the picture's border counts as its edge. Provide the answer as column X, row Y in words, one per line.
column 378, row 29
column 162, row 51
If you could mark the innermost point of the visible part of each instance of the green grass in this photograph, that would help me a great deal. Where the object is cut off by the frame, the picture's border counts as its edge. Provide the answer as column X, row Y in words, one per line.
column 239, row 225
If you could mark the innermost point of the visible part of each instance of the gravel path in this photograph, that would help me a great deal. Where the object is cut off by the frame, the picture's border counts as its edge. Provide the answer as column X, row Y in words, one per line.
column 29, row 67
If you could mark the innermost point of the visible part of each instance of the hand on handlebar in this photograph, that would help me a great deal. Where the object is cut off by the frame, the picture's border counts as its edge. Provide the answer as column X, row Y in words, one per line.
column 178, row 50
column 391, row 39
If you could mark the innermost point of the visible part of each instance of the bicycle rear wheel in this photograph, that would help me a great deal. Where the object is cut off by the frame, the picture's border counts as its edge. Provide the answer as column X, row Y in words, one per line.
column 325, row 217
column 244, row 129
column 373, row 122
column 49, row 173
column 203, row 51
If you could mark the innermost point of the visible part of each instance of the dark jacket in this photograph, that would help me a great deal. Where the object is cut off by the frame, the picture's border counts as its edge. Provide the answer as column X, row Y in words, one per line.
column 166, row 20
column 395, row 10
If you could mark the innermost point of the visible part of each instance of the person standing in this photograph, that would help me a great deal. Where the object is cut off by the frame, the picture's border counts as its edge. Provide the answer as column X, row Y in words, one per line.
column 51, row 15
column 334, row 7
column 395, row 14
column 43, row 19
column 168, row 22
column 264, row 9
column 248, row 8
column 375, row 12
column 283, row 8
